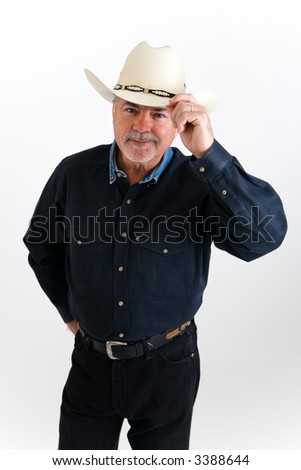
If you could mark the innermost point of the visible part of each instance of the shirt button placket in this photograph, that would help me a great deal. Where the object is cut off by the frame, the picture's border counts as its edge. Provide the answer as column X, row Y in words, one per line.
column 121, row 311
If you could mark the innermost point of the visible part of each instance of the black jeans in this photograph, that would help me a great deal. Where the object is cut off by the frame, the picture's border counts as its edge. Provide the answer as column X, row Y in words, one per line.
column 156, row 396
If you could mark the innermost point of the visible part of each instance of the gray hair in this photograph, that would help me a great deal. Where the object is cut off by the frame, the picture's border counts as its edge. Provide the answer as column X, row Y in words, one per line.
column 114, row 101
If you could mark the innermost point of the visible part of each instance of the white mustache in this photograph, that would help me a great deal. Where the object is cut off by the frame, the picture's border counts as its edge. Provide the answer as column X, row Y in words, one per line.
column 143, row 137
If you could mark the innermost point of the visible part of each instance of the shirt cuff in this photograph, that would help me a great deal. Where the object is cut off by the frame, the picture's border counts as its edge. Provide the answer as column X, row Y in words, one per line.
column 65, row 312
column 215, row 160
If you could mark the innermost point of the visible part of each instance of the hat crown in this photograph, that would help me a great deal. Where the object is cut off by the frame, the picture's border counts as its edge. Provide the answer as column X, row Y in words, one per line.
column 155, row 68
column 150, row 77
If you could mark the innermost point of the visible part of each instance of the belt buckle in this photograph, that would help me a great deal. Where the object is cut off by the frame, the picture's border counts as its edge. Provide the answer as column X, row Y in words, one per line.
column 109, row 351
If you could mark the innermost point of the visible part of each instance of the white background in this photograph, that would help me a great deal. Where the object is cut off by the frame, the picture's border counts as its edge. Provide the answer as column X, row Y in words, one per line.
column 249, row 325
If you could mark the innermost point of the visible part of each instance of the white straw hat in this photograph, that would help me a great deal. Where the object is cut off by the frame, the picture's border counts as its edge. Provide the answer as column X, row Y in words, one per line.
column 150, row 77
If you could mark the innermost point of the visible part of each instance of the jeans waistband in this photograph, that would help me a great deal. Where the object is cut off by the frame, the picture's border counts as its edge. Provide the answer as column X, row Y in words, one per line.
column 121, row 350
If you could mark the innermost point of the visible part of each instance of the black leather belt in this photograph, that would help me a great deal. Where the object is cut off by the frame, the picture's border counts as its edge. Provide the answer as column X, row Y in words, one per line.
column 120, row 350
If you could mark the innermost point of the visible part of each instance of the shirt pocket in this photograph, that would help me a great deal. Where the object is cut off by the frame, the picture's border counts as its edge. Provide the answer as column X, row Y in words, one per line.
column 85, row 259
column 166, row 268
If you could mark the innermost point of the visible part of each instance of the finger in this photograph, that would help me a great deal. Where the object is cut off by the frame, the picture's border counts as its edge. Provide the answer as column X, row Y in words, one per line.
column 188, row 107
column 183, row 117
column 184, row 97
column 188, row 113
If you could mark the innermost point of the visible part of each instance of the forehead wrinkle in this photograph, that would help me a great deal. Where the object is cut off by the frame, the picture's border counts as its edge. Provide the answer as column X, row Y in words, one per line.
column 139, row 106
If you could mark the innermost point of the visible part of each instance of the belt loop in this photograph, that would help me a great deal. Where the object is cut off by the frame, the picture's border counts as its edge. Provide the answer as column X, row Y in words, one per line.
column 187, row 330
column 146, row 351
column 88, row 344
column 86, row 339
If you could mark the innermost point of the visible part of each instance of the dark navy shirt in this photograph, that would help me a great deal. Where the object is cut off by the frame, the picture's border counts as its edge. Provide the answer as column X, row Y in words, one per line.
column 128, row 262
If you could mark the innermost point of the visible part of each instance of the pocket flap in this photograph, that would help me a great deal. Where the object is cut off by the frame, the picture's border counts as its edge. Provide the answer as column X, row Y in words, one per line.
column 164, row 245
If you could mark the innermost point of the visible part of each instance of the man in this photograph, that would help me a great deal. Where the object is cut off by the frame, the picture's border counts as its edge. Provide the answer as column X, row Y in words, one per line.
column 120, row 242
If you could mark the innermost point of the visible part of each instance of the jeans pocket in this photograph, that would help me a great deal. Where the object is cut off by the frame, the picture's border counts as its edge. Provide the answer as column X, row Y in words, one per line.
column 180, row 350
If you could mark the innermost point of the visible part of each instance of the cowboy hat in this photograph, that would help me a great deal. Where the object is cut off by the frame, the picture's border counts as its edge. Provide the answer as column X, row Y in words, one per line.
column 150, row 77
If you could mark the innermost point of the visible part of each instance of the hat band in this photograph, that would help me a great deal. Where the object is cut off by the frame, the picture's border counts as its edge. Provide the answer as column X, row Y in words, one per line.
column 140, row 89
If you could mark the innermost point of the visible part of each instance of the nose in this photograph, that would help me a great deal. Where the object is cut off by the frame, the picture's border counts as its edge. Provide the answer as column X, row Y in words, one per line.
column 142, row 122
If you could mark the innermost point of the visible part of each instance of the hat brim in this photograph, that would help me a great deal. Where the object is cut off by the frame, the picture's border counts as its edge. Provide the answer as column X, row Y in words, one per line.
column 209, row 98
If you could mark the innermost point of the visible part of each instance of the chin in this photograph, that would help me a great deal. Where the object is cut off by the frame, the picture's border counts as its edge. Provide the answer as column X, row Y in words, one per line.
column 140, row 158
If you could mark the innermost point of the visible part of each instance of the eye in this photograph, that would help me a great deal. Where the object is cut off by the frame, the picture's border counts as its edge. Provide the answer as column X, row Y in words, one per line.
column 160, row 116
column 130, row 110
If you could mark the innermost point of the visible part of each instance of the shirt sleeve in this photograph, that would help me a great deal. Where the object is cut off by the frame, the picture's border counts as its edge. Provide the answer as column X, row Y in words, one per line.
column 45, row 240
column 249, row 219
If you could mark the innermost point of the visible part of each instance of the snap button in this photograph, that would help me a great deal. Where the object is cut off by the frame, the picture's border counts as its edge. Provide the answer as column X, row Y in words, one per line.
column 124, row 234
column 120, row 303
column 202, row 169
column 224, row 192
column 120, row 269
column 165, row 251
column 79, row 242
column 121, row 335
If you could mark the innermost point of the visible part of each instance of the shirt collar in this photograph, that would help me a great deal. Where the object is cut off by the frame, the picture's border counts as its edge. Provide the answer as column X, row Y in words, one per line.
column 151, row 178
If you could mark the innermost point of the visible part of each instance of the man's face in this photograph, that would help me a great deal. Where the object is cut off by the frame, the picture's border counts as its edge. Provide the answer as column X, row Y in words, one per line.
column 142, row 133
